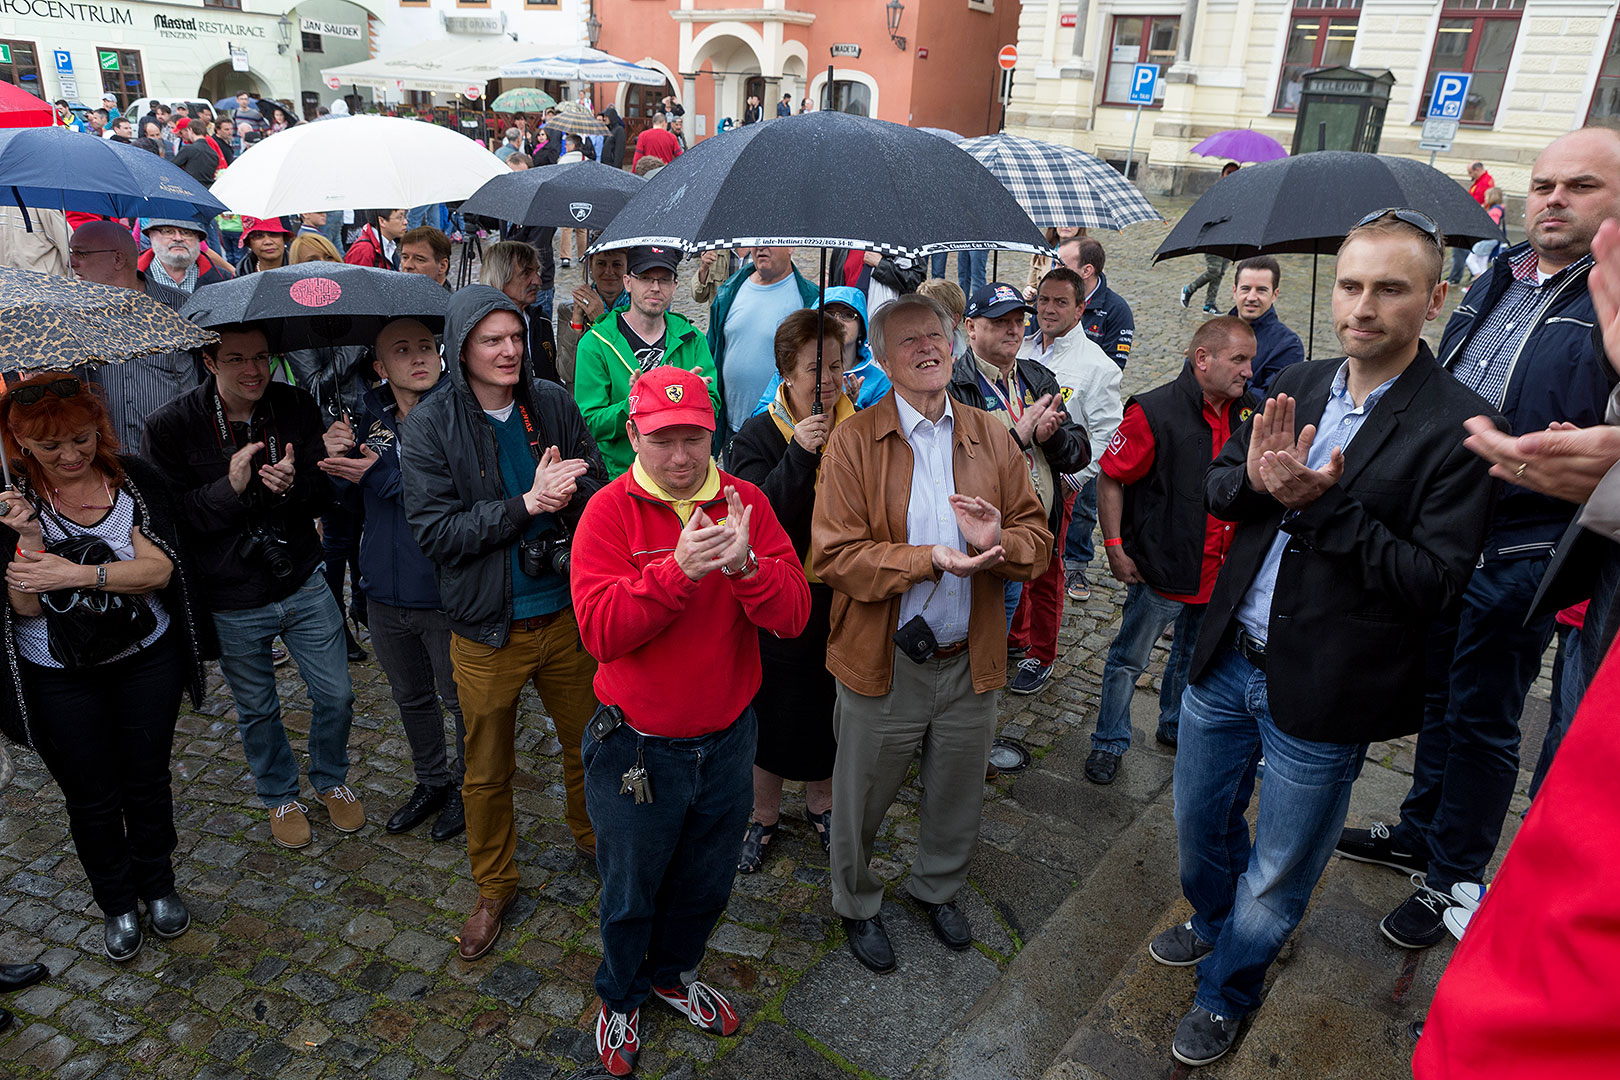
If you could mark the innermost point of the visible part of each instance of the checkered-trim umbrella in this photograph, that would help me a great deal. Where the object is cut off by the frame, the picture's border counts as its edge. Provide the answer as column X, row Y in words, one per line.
column 1059, row 185
column 825, row 179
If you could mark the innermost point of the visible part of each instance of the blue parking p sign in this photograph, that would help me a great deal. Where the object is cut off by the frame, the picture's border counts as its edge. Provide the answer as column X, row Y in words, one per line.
column 1450, row 95
column 1144, row 80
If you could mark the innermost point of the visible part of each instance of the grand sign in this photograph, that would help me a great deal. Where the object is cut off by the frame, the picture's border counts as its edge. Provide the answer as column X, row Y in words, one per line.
column 69, row 11
column 189, row 27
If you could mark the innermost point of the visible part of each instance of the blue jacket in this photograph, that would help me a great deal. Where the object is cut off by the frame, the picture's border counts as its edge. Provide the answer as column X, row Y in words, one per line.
column 393, row 569
column 1276, row 347
column 876, row 382
column 1558, row 374
column 1108, row 321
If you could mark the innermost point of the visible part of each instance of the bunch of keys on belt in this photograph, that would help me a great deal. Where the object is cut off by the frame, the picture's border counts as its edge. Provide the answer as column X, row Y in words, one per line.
column 635, row 782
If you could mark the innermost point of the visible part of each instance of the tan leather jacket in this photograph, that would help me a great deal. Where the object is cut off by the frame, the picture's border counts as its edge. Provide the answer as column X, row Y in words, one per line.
column 858, row 540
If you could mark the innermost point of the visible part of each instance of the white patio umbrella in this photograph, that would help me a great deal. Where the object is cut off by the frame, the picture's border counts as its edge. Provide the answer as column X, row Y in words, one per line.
column 583, row 65
column 358, row 163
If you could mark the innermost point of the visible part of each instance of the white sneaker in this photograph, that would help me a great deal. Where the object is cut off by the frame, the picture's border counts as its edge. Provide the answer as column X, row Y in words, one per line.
column 1468, row 894
column 1456, row 920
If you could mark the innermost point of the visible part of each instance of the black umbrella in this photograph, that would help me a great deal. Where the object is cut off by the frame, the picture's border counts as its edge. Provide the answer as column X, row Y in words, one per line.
column 320, row 305
column 1306, row 204
column 828, row 180
column 580, row 195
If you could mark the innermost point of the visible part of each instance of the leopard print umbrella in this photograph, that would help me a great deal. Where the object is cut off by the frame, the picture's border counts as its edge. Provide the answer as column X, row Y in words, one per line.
column 50, row 323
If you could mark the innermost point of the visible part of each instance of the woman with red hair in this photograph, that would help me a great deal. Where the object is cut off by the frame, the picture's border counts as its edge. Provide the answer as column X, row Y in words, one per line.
column 98, row 706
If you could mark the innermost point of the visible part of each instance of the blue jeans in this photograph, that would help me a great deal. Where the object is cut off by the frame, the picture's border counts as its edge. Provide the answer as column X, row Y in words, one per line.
column 1481, row 666
column 1012, row 593
column 1146, row 615
column 936, row 265
column 1247, row 900
column 666, row 865
column 311, row 625
column 432, row 214
column 1566, row 699
column 1078, row 546
column 970, row 270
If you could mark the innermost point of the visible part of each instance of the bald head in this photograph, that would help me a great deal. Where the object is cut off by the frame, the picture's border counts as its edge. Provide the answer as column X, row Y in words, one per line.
column 104, row 252
column 1574, row 186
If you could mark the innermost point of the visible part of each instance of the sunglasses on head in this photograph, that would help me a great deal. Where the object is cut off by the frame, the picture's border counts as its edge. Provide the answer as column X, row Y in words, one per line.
column 1419, row 221
column 33, row 395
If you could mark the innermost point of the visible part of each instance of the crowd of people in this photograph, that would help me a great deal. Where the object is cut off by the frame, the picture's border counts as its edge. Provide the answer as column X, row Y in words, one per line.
column 867, row 505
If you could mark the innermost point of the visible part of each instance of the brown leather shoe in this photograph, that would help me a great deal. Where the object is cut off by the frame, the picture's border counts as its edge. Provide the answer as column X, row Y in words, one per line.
column 483, row 926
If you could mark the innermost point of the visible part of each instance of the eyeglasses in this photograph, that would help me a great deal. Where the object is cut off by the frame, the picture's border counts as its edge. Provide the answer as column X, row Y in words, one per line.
column 1419, row 221
column 660, row 282
column 240, row 361
column 33, row 395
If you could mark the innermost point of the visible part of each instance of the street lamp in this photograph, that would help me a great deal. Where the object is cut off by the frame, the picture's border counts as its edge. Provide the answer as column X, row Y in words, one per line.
column 284, row 25
column 593, row 29
column 894, row 8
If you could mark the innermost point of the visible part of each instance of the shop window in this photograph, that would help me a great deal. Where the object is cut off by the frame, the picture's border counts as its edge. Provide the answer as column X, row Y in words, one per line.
column 1475, row 36
column 1322, row 34
column 846, row 95
column 1139, row 39
column 1605, row 110
column 121, row 74
column 19, row 66
column 234, row 5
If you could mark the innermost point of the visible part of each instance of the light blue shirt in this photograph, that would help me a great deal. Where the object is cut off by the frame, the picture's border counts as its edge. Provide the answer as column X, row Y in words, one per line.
column 946, row 604
column 749, row 359
column 1341, row 419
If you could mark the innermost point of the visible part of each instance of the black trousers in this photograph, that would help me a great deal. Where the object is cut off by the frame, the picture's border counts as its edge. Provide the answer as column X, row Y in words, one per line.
column 105, row 733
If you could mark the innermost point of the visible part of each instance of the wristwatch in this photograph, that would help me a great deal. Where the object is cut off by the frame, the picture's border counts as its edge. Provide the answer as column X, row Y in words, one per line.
column 101, row 576
column 750, row 564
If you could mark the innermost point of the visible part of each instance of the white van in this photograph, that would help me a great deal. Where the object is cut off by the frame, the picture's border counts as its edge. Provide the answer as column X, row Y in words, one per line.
column 141, row 106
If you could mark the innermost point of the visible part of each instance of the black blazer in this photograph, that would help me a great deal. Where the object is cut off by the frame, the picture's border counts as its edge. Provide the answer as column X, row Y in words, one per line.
column 1368, row 565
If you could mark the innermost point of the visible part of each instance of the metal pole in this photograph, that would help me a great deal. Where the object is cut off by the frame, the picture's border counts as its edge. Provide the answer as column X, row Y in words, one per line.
column 1310, row 338
column 1131, row 153
column 821, row 320
column 1431, row 158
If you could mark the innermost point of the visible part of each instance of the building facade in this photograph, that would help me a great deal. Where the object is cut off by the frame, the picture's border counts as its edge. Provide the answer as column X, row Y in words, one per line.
column 173, row 51
column 928, row 63
column 1539, row 67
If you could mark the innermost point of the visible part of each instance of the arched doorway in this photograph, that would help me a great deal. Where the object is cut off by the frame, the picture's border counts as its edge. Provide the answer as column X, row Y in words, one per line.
column 640, row 103
column 730, row 65
column 221, row 81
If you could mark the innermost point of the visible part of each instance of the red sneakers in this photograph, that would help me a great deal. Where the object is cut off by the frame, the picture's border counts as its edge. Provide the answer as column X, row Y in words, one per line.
column 617, row 1040
column 703, row 1005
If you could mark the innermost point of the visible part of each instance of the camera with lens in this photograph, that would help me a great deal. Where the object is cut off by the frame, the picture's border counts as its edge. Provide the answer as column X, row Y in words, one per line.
column 262, row 545
column 552, row 552
column 916, row 639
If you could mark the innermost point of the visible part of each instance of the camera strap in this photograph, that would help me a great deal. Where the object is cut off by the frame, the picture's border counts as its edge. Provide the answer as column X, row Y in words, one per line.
column 528, row 430
column 222, row 426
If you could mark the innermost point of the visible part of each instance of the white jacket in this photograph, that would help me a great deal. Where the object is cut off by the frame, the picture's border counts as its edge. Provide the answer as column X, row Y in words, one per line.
column 1090, row 385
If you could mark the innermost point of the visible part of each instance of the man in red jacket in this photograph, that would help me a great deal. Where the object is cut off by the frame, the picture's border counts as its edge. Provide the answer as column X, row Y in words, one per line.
column 1480, row 181
column 677, row 567
column 657, row 141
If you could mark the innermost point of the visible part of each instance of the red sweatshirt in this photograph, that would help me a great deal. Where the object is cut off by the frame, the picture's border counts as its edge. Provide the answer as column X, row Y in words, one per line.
column 680, row 657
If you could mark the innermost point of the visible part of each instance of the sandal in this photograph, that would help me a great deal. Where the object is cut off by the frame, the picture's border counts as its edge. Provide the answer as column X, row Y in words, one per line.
column 822, row 823
column 753, row 846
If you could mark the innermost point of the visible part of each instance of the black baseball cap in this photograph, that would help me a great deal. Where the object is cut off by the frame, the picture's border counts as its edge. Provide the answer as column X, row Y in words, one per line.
column 994, row 300
column 648, row 256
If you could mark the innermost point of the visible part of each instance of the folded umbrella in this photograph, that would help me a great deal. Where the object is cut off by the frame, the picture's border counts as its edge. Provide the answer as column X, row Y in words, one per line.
column 1241, row 144
column 58, row 169
column 1059, row 185
column 319, row 304
column 579, row 195
column 826, row 179
column 363, row 163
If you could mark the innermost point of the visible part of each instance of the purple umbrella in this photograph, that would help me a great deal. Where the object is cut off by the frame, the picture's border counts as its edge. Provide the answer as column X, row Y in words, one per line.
column 1241, row 144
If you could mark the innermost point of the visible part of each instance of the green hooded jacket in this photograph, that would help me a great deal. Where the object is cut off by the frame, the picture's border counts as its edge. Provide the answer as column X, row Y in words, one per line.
column 605, row 366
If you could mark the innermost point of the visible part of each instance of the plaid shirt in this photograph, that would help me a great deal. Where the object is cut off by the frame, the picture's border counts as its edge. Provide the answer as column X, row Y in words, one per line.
column 187, row 284
column 1488, row 358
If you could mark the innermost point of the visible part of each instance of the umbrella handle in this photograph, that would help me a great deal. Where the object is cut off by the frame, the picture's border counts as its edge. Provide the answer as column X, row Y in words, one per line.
column 5, row 468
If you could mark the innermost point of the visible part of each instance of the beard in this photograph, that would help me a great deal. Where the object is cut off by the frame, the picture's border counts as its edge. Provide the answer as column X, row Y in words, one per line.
column 176, row 260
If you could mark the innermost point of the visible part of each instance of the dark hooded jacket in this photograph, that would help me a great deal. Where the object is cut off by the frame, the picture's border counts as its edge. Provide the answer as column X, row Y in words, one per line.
column 455, row 502
column 613, row 142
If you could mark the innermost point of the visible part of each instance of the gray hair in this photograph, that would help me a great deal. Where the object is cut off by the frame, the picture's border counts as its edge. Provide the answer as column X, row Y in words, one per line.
column 512, row 133
column 879, row 321
column 505, row 261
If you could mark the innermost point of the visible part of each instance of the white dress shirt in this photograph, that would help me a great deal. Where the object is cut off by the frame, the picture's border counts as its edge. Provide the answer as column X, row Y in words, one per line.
column 946, row 604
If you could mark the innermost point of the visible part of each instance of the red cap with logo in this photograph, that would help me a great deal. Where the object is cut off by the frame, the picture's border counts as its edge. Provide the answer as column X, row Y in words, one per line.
column 670, row 396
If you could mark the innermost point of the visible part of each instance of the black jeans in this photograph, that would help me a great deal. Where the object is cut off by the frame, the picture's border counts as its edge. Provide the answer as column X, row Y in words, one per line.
column 105, row 733
column 413, row 647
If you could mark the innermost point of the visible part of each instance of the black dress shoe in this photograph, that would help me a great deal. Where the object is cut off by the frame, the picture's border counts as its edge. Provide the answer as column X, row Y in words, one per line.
column 870, row 943
column 121, row 935
column 452, row 819
column 424, row 801
column 950, row 925
column 170, row 918
column 21, row 976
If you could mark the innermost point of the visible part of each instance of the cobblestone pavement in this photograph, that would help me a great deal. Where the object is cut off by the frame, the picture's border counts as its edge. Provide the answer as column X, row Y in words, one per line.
column 339, row 960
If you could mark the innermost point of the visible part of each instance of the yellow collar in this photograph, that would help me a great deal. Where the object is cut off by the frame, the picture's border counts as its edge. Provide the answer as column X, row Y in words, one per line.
column 843, row 409
column 682, row 507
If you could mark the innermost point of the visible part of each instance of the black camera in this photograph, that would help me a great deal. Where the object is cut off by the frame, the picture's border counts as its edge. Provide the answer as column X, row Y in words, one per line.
column 916, row 639
column 262, row 545
column 553, row 552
